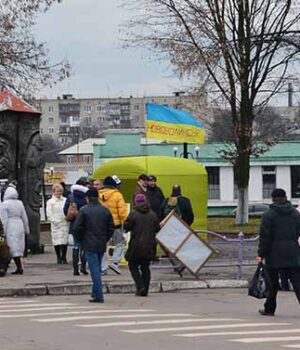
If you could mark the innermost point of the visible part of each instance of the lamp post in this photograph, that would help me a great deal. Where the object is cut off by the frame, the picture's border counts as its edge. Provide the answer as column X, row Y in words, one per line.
column 175, row 150
column 186, row 154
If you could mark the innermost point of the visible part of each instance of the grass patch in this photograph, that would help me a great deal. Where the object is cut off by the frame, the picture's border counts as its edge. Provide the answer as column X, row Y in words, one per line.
column 227, row 225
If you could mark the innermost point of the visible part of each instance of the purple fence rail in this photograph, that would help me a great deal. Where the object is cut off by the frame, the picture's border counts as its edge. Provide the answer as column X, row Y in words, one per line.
column 235, row 252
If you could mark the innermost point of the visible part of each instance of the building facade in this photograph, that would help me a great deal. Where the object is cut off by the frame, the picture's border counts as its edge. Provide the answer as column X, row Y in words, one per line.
column 279, row 167
column 70, row 120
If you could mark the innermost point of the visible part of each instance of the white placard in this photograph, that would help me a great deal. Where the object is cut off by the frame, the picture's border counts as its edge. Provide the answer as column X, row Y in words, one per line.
column 193, row 253
column 173, row 233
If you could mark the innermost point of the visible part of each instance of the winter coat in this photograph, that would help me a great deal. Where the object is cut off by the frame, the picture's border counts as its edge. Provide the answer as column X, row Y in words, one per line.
column 56, row 216
column 93, row 227
column 78, row 196
column 113, row 200
column 185, row 207
column 143, row 224
column 15, row 222
column 278, row 237
column 155, row 198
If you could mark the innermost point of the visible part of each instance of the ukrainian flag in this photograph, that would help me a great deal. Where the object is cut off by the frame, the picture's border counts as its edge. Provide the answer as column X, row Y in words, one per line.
column 170, row 124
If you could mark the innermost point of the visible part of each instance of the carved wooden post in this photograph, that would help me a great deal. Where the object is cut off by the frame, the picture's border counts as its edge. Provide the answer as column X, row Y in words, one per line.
column 21, row 156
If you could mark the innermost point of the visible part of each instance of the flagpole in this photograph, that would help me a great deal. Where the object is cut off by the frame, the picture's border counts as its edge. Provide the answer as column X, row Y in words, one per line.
column 185, row 150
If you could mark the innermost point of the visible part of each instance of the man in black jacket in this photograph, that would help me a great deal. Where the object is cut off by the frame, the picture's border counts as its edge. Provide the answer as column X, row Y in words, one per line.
column 279, row 246
column 93, row 228
column 155, row 195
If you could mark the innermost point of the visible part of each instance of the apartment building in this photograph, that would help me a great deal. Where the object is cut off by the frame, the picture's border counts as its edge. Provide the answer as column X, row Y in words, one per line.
column 71, row 120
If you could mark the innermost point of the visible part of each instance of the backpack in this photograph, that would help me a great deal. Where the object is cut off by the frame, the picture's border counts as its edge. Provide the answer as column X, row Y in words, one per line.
column 72, row 210
column 172, row 204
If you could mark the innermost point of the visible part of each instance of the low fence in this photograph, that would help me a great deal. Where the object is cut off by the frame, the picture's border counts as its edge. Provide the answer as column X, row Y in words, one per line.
column 237, row 252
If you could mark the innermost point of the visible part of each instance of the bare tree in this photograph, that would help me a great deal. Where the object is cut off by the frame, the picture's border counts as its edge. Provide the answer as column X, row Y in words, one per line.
column 268, row 127
column 245, row 50
column 24, row 63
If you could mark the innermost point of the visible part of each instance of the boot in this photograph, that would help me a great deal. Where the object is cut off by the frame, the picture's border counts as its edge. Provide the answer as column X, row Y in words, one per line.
column 64, row 249
column 57, row 251
column 19, row 270
column 83, row 263
column 75, row 255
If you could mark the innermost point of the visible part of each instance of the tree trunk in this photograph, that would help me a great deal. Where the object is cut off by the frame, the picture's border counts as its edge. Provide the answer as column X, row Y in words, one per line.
column 241, row 217
column 242, row 173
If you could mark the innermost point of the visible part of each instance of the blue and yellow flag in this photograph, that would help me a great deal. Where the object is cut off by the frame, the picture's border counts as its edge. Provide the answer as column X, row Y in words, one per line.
column 170, row 124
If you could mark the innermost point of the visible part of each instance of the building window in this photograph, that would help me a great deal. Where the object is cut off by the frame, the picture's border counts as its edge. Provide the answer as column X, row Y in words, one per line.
column 41, row 130
column 213, row 174
column 87, row 108
column 295, row 181
column 70, row 159
column 50, row 121
column 51, row 109
column 87, row 158
column 50, row 130
column 269, row 180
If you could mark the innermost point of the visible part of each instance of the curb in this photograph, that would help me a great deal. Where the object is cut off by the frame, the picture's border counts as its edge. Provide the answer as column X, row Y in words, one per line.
column 121, row 288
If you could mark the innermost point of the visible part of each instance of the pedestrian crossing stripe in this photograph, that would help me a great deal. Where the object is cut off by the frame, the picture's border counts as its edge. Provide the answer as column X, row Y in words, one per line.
column 139, row 323
column 265, row 339
column 77, row 318
column 218, row 326
column 3, row 307
column 13, row 301
column 294, row 346
column 192, row 335
column 62, row 313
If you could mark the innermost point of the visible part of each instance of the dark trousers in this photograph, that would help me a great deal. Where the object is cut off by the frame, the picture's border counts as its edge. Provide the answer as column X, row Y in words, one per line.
column 140, row 272
column 293, row 274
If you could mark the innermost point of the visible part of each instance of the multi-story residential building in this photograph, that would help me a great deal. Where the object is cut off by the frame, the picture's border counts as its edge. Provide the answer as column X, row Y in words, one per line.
column 70, row 120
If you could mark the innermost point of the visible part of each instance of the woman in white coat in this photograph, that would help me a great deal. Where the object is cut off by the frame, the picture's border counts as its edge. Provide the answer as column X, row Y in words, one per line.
column 15, row 223
column 59, row 225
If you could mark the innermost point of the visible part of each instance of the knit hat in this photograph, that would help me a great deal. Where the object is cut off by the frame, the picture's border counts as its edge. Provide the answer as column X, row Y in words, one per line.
column 176, row 191
column 92, row 193
column 278, row 192
column 109, row 181
column 116, row 180
column 140, row 199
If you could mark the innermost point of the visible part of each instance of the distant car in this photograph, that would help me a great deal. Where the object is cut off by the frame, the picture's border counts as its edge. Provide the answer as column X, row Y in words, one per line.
column 255, row 209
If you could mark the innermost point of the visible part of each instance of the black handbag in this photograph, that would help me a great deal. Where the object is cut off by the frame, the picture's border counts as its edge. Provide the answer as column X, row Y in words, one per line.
column 260, row 286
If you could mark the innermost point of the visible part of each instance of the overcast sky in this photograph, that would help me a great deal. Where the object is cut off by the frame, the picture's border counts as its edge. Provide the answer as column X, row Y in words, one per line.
column 86, row 32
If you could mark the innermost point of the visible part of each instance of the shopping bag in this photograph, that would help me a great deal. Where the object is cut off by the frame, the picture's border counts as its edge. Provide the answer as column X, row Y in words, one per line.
column 260, row 286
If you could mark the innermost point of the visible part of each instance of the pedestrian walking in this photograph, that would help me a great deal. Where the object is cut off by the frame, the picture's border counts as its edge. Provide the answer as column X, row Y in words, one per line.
column 279, row 246
column 4, row 252
column 154, row 194
column 15, row 223
column 93, row 228
column 59, row 225
column 180, row 204
column 143, row 224
column 75, row 201
column 112, row 199
column 141, row 187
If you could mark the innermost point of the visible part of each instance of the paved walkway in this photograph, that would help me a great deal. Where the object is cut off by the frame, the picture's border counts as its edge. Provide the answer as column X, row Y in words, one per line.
column 42, row 276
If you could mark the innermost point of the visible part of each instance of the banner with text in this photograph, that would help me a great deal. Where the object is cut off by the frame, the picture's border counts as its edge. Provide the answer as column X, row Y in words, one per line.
column 170, row 124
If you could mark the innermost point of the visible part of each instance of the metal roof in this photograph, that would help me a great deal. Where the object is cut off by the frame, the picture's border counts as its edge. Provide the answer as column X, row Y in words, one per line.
column 10, row 102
